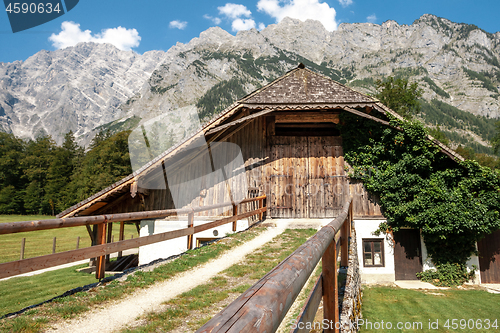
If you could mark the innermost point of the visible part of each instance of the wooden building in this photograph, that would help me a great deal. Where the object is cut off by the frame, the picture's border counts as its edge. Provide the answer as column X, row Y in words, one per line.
column 289, row 147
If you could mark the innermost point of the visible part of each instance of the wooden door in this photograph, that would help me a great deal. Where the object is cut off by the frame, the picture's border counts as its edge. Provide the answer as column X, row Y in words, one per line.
column 306, row 177
column 287, row 176
column 407, row 254
column 326, row 179
column 489, row 258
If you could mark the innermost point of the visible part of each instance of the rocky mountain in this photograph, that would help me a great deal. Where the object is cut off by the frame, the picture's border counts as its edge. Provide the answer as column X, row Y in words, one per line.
column 92, row 87
column 76, row 88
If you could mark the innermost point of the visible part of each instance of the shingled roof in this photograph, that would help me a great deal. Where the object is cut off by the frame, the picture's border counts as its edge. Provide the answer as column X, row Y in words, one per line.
column 303, row 86
column 299, row 89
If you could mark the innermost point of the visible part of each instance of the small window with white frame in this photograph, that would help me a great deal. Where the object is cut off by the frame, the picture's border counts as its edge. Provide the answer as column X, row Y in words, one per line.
column 373, row 252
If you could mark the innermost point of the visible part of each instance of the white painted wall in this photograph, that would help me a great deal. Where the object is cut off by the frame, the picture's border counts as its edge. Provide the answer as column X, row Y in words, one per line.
column 178, row 245
column 427, row 263
column 365, row 229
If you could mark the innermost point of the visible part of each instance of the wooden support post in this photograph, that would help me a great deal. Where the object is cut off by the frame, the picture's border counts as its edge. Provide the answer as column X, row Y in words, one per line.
column 351, row 218
column 54, row 245
column 330, row 288
column 235, row 212
column 23, row 244
column 110, row 235
column 190, row 225
column 344, row 236
column 100, row 262
column 122, row 236
column 78, row 242
column 261, row 204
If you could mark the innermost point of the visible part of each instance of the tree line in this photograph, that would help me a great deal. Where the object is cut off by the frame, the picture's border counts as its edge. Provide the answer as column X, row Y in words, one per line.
column 405, row 98
column 40, row 177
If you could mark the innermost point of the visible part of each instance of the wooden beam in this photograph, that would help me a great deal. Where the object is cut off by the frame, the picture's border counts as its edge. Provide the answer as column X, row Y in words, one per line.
column 100, row 262
column 91, row 234
column 110, row 234
column 121, row 237
column 308, row 118
column 271, row 125
column 235, row 213
column 364, row 115
column 344, row 234
column 111, row 205
column 238, row 121
column 190, row 236
column 330, row 287
column 24, row 226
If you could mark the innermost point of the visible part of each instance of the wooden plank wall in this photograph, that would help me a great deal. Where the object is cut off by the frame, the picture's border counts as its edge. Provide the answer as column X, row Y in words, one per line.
column 364, row 204
column 267, row 170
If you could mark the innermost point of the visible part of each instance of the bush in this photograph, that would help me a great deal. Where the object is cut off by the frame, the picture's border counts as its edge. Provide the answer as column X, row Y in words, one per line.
column 448, row 275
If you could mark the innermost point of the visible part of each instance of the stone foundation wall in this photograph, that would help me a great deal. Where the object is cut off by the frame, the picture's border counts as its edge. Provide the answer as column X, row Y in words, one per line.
column 351, row 306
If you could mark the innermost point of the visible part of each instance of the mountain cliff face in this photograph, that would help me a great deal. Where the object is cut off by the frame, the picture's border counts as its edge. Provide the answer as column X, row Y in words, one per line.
column 83, row 87
column 76, row 88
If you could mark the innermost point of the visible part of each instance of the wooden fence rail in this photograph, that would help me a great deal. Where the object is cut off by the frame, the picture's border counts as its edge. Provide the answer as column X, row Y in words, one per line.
column 103, row 248
column 264, row 305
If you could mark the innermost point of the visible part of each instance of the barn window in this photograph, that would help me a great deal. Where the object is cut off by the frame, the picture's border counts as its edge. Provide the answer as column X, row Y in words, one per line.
column 373, row 252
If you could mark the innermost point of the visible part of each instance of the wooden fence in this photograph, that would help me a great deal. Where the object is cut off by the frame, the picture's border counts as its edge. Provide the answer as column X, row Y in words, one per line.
column 264, row 305
column 102, row 247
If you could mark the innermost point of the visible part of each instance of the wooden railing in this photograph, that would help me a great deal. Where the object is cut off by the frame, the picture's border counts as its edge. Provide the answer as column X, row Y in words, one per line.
column 263, row 306
column 101, row 249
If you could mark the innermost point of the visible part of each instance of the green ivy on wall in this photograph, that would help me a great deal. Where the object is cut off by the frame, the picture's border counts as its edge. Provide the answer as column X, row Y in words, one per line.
column 453, row 203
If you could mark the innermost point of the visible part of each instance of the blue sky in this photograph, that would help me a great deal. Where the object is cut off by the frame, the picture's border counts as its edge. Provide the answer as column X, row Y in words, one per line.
column 158, row 24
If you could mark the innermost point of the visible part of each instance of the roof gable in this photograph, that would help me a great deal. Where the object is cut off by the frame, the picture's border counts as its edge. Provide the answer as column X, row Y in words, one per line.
column 299, row 89
column 303, row 86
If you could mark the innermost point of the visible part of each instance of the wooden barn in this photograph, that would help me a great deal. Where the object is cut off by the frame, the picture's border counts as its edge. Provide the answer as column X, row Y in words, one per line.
column 282, row 140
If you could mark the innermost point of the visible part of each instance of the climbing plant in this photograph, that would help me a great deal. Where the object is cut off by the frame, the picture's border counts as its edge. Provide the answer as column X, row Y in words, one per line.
column 453, row 203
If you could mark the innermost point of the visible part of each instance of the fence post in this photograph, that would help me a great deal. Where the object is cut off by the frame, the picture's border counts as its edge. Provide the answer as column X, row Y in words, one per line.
column 190, row 225
column 100, row 239
column 330, row 290
column 261, row 205
column 23, row 243
column 54, row 245
column 344, row 236
column 110, row 235
column 235, row 212
column 122, row 234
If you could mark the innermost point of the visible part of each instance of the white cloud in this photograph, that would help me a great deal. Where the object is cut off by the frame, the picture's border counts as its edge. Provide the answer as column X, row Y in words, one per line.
column 261, row 26
column 239, row 14
column 345, row 3
column 71, row 34
column 178, row 24
column 215, row 20
column 300, row 9
column 372, row 18
column 234, row 11
column 243, row 24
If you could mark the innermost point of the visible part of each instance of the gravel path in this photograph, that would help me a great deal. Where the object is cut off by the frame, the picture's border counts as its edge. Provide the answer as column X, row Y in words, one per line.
column 119, row 313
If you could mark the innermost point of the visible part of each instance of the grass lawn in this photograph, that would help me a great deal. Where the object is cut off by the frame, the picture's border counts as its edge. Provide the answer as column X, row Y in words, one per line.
column 39, row 243
column 18, row 293
column 423, row 311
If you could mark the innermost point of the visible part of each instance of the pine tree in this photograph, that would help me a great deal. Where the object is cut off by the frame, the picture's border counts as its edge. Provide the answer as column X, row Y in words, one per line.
column 36, row 162
column 11, row 184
